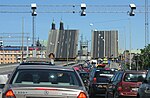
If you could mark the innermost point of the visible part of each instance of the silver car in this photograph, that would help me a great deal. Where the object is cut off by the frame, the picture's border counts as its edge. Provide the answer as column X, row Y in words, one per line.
column 144, row 89
column 3, row 80
column 44, row 81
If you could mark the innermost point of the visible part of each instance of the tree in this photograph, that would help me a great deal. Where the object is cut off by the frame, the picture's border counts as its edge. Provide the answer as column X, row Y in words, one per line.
column 145, row 57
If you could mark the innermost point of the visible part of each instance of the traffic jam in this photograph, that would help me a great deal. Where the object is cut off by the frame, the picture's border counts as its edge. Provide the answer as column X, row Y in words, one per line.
column 83, row 80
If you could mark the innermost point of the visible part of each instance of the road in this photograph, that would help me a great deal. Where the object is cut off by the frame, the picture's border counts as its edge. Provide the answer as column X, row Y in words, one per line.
column 5, row 69
column 113, row 65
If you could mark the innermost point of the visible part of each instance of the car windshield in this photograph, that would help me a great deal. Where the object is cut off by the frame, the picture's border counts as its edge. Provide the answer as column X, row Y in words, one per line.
column 134, row 77
column 46, row 77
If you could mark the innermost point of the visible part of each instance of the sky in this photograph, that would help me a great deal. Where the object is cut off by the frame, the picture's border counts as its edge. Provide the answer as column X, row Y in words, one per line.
column 125, row 24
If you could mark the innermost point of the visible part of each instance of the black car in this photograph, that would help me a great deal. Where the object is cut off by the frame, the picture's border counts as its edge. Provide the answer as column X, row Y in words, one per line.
column 37, row 80
column 99, row 79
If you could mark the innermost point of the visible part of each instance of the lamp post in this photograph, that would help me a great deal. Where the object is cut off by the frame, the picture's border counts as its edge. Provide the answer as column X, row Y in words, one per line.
column 88, row 49
column 22, row 39
column 104, row 43
column 33, row 7
column 130, row 42
column 67, row 42
column 131, row 13
column 28, row 39
column 99, row 36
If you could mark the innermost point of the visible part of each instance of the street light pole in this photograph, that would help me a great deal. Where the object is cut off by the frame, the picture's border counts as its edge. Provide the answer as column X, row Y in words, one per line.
column 104, row 43
column 33, row 7
column 87, row 49
column 99, row 36
column 28, row 47
column 67, row 42
column 130, row 41
column 133, row 7
column 22, row 39
column 125, row 46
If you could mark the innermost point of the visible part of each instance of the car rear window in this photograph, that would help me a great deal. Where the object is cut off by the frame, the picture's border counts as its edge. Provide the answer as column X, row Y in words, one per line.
column 103, row 76
column 103, row 79
column 46, row 77
column 134, row 77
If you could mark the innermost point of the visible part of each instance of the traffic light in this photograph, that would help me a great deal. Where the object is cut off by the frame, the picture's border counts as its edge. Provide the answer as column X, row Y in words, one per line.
column 33, row 7
column 83, row 8
column 133, row 7
column 1, row 43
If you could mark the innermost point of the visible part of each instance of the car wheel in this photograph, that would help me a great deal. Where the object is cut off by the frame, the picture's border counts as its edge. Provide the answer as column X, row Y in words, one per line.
column 106, row 95
column 138, row 96
column 116, row 95
column 91, row 93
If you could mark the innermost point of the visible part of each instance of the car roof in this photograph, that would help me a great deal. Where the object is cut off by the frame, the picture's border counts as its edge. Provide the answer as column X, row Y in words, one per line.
column 134, row 71
column 43, row 66
column 101, row 69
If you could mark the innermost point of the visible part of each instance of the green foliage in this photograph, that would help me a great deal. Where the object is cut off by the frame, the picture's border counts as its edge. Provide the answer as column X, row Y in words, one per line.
column 144, row 58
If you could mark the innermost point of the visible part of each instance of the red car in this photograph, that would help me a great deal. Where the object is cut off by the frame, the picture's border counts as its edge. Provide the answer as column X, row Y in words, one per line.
column 125, row 84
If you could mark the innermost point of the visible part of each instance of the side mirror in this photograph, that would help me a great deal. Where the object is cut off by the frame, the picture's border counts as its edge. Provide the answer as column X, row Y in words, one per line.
column 3, row 80
column 2, row 86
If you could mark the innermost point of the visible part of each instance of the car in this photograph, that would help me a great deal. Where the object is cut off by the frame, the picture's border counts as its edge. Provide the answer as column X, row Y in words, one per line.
column 3, row 80
column 125, row 84
column 144, row 89
column 41, row 80
column 99, row 79
column 85, row 78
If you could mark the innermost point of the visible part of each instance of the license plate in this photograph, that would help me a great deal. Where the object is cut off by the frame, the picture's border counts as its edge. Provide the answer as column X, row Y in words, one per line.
column 134, row 89
column 100, row 86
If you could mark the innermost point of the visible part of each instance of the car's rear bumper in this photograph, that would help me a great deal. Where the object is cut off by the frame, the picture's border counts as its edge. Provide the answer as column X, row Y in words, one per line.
column 99, row 89
column 130, row 94
column 127, row 97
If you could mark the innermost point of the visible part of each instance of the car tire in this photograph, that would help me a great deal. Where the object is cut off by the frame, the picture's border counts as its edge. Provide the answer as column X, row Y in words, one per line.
column 91, row 93
column 116, row 95
column 138, row 96
column 106, row 95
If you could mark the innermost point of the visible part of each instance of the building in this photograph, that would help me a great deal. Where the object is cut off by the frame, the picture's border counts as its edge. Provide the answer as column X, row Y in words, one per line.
column 104, row 44
column 83, row 53
column 63, row 43
column 13, row 54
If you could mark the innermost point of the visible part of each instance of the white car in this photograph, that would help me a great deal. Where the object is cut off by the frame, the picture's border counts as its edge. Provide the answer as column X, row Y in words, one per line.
column 3, row 80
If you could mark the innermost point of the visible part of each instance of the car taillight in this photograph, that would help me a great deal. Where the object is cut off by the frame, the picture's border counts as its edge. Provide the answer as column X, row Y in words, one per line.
column 82, row 95
column 10, row 94
column 120, row 86
column 94, row 80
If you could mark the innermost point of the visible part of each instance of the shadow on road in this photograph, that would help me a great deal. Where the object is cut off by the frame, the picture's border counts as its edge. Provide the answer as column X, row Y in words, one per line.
column 98, row 97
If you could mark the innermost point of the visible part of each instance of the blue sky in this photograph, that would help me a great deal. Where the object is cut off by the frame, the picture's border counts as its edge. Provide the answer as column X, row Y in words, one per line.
column 12, row 22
